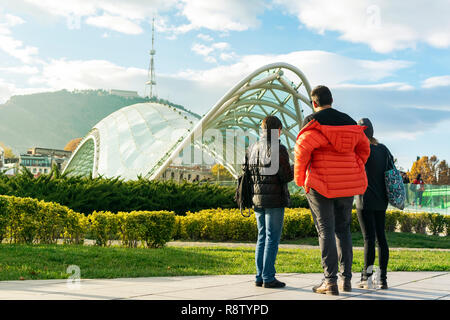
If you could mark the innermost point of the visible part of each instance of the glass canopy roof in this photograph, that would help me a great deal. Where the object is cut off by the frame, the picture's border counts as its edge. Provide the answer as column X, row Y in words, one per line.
column 145, row 138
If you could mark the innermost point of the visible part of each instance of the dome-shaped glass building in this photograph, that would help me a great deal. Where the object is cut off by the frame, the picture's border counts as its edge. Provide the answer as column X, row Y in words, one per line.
column 146, row 138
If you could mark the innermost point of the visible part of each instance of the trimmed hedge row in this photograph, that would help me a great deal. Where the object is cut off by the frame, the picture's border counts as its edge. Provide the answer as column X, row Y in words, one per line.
column 229, row 224
column 27, row 220
column 152, row 228
column 107, row 194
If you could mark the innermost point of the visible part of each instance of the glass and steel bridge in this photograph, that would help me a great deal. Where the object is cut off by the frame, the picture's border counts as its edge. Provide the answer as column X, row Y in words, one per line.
column 146, row 138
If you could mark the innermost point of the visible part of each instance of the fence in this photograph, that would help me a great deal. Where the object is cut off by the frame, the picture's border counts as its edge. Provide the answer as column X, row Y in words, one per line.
column 433, row 198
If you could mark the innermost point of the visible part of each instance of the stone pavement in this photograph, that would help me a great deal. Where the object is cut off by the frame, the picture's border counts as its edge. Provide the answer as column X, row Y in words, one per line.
column 402, row 285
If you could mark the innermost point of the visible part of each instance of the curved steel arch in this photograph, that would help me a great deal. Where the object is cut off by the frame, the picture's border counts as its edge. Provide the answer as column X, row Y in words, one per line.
column 266, row 91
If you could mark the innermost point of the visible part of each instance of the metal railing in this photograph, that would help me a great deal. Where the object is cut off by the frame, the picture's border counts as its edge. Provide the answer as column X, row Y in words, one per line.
column 432, row 198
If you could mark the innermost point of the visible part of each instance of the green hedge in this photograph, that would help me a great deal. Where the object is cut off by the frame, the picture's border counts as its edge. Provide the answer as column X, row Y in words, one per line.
column 27, row 220
column 105, row 194
column 229, row 224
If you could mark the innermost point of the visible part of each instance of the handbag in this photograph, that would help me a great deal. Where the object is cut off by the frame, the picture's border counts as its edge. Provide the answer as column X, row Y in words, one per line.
column 394, row 185
column 244, row 191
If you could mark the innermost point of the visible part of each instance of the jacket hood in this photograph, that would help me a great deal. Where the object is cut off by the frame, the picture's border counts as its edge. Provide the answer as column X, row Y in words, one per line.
column 342, row 138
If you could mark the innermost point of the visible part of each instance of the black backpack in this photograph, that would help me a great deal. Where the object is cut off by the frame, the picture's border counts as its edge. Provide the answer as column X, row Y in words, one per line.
column 244, row 191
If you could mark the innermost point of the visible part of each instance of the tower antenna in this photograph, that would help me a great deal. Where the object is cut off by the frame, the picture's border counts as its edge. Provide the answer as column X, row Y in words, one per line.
column 151, row 80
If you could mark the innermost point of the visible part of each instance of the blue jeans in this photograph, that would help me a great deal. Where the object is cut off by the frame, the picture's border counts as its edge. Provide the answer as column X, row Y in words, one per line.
column 270, row 225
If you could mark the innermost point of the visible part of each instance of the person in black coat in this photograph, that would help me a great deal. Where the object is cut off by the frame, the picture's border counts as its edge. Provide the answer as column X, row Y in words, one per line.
column 371, row 208
column 268, row 163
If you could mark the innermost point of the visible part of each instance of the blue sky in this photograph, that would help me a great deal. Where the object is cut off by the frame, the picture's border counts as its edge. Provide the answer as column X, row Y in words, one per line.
column 385, row 60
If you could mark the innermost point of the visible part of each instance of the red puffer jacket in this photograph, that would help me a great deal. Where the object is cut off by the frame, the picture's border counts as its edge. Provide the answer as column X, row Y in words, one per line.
column 331, row 159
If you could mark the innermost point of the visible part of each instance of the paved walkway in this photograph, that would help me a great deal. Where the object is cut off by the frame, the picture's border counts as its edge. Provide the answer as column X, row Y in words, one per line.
column 402, row 285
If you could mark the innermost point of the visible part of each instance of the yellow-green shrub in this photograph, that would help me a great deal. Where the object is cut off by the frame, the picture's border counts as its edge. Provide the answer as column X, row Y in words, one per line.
column 75, row 227
column 103, row 227
column 24, row 218
column 419, row 222
column 355, row 226
column 447, row 225
column 4, row 217
column 28, row 220
column 436, row 223
column 406, row 221
column 229, row 224
column 298, row 223
column 218, row 225
column 154, row 228
column 392, row 220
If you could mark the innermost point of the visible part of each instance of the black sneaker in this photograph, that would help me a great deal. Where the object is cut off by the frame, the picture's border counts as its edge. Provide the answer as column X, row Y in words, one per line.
column 258, row 283
column 383, row 284
column 345, row 285
column 274, row 284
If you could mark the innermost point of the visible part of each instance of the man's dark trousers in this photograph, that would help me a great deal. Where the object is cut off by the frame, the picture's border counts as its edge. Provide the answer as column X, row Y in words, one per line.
column 332, row 218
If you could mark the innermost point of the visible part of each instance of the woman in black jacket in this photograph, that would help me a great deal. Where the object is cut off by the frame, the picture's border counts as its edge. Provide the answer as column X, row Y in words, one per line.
column 371, row 208
column 270, row 177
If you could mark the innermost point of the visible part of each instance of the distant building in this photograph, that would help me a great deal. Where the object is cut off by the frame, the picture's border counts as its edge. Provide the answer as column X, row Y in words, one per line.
column 190, row 174
column 124, row 93
column 41, row 160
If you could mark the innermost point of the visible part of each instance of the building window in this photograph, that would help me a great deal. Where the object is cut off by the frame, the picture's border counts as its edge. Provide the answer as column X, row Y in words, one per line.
column 45, row 170
column 172, row 175
column 189, row 176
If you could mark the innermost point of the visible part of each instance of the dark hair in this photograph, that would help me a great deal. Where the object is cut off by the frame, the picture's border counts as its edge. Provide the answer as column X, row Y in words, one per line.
column 373, row 141
column 419, row 176
column 271, row 122
column 322, row 96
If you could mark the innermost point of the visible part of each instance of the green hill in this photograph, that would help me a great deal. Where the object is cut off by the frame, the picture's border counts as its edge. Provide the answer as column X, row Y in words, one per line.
column 51, row 119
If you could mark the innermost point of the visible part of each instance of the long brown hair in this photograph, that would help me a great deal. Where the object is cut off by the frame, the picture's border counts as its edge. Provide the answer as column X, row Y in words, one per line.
column 373, row 141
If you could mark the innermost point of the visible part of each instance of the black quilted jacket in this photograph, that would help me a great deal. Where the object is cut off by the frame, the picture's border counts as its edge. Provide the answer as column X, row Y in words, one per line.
column 269, row 191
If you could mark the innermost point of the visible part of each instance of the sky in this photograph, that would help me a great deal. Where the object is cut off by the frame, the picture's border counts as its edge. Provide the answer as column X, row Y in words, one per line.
column 385, row 60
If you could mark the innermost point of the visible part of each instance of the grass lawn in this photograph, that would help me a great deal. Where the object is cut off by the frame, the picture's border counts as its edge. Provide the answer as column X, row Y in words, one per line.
column 51, row 261
column 395, row 240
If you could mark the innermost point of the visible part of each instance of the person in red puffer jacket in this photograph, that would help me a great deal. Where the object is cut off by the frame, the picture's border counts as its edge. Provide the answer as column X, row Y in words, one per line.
column 330, row 156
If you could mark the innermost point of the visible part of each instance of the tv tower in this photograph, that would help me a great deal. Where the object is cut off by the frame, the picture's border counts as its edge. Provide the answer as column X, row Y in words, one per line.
column 151, row 69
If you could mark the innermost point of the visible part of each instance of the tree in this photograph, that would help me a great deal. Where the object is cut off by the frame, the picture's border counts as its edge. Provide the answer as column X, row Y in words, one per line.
column 219, row 170
column 8, row 151
column 72, row 144
column 430, row 168
column 443, row 173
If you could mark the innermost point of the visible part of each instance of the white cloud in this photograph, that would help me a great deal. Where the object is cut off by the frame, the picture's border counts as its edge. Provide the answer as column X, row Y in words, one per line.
column 121, row 16
column 221, row 45
column 384, row 25
column 90, row 74
column 205, row 37
column 319, row 67
column 206, row 51
column 210, row 59
column 115, row 23
column 230, row 15
column 20, row 70
column 202, row 49
column 12, row 46
column 228, row 56
column 380, row 86
column 8, row 89
column 440, row 81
